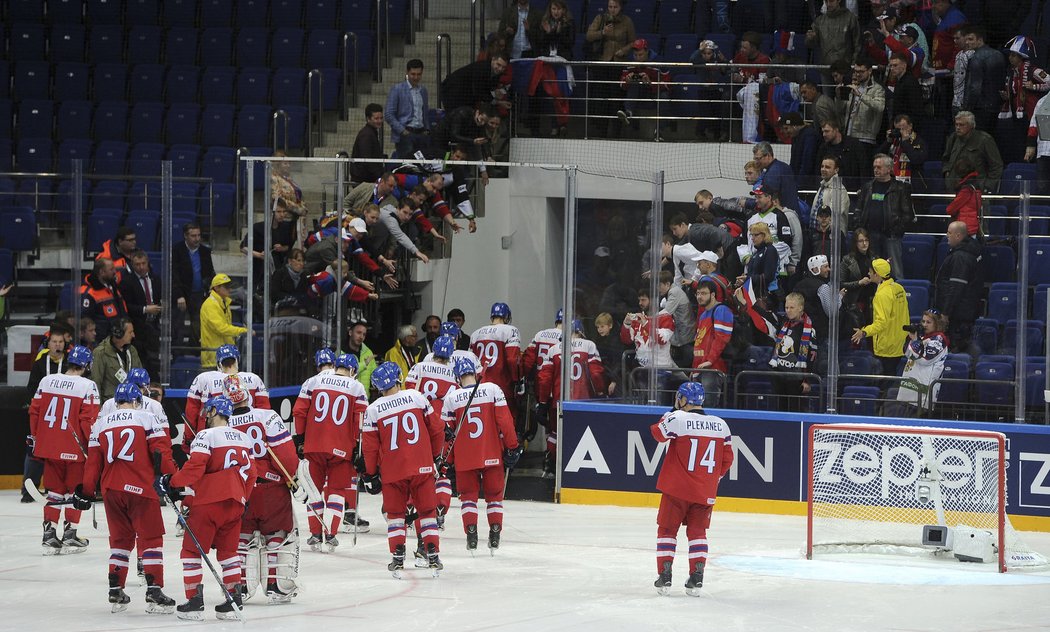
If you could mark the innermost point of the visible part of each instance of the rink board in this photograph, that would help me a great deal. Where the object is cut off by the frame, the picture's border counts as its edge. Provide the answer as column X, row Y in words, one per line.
column 609, row 457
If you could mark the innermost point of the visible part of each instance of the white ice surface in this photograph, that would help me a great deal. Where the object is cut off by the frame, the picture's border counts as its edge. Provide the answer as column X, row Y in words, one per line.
column 561, row 567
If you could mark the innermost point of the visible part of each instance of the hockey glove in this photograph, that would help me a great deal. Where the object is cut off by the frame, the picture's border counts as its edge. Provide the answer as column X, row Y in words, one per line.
column 359, row 462
column 81, row 502
column 372, row 483
column 450, row 433
column 299, row 440
column 298, row 491
column 511, row 457
column 162, row 484
column 441, row 466
column 539, row 411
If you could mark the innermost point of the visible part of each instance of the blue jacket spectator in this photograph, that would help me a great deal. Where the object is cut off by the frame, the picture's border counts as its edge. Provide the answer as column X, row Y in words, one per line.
column 777, row 175
column 407, row 110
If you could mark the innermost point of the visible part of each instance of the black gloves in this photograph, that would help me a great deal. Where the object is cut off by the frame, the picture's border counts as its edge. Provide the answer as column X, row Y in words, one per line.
column 511, row 456
column 372, row 484
column 81, row 502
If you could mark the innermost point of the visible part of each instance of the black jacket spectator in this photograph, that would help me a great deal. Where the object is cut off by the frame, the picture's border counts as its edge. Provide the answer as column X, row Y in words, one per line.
column 147, row 326
column 469, row 86
column 285, row 283
column 368, row 144
column 459, row 126
column 853, row 159
column 559, row 39
column 804, row 157
column 958, row 285
column 906, row 98
column 182, row 271
column 899, row 212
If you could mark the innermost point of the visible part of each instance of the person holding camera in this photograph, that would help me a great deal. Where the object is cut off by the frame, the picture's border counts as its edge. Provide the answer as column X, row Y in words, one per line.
column 907, row 149
column 926, row 351
column 641, row 84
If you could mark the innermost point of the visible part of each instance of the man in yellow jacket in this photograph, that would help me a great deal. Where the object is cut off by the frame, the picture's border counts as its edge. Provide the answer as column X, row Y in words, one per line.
column 217, row 326
column 889, row 317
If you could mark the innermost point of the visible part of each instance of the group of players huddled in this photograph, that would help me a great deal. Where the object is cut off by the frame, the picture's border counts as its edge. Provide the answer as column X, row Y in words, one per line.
column 451, row 421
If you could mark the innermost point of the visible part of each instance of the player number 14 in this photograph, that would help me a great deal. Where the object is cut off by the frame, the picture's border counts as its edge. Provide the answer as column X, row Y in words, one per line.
column 706, row 460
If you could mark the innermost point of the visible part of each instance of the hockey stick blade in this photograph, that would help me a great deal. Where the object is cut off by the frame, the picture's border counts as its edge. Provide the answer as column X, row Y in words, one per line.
column 34, row 491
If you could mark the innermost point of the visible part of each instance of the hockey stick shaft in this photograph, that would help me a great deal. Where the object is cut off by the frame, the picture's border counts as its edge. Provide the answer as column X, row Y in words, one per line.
column 459, row 425
column 204, row 555
column 357, row 487
column 290, row 482
column 80, row 444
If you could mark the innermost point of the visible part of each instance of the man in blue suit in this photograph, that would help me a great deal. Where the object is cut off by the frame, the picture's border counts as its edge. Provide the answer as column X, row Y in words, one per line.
column 406, row 112
column 776, row 174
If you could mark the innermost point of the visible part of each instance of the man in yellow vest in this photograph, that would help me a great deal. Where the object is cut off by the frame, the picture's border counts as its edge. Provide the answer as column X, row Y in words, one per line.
column 889, row 317
column 217, row 326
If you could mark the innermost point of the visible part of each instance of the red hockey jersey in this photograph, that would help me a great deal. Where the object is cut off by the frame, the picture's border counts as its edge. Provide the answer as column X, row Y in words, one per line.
column 60, row 416
column 588, row 373
column 220, row 467
column 699, row 455
column 538, row 350
column 265, row 429
column 432, row 379
column 487, row 428
column 400, row 432
column 209, row 384
column 120, row 451
column 499, row 348
column 328, row 413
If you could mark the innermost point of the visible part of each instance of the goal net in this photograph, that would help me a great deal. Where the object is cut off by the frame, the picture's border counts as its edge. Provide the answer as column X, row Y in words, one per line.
column 873, row 488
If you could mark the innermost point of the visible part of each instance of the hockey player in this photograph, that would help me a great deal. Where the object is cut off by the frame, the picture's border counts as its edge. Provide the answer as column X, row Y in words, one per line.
column 327, row 416
column 498, row 346
column 222, row 473
column 270, row 513
column 699, row 455
column 324, row 360
column 540, row 347
column 588, row 382
column 140, row 378
column 401, row 434
column 482, row 432
column 120, row 450
column 60, row 417
column 209, row 384
column 451, row 330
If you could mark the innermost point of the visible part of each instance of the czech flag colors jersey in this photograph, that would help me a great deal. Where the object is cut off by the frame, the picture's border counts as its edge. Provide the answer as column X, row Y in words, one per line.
column 220, row 467
column 209, row 384
column 265, row 428
column 432, row 379
column 588, row 373
column 401, row 433
column 60, row 416
column 487, row 428
column 328, row 413
column 121, row 448
column 539, row 349
column 149, row 405
column 699, row 455
column 499, row 348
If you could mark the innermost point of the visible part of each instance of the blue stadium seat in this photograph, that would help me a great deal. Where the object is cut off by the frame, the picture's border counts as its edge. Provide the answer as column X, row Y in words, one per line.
column 19, row 234
column 684, row 95
column 994, row 383
column 145, row 195
column 396, row 12
column 1035, row 381
column 217, row 125
column 918, row 256
column 184, row 158
column 216, row 13
column 918, row 292
column 7, row 267
column 6, row 117
column 74, row 120
column 7, row 192
column 145, row 224
column 35, row 118
column 252, row 43
column 675, row 16
column 67, row 43
column 253, row 126
column 110, row 82
column 27, row 42
column 35, row 193
column 32, row 80
column 62, row 200
column 678, row 48
column 217, row 85
column 222, row 199
column 102, row 225
column 288, row 12
column 144, row 41
column 74, row 149
column 931, row 170
column 296, row 127
column 218, row 163
column 1013, row 174
column 331, row 83
column 1000, row 263
column 65, row 11
column 25, row 11
column 253, row 86
column 147, row 82
column 71, row 81
column 642, row 13
column 322, row 48
column 185, row 368
column 955, row 392
column 142, row 11
column 321, row 14
column 111, row 118
column 289, row 86
column 6, row 155
column 216, row 46
column 5, row 79
column 999, row 221
column 181, row 123
column 109, row 195
column 145, row 158
column 365, row 58
column 181, row 13
column 111, row 157
column 1033, row 338
column 859, row 400
column 286, row 48
column 181, row 46
column 358, row 14
column 252, row 13
column 184, row 198
column 106, row 44
column 147, row 123
column 986, row 335
column 1039, row 302
column 1038, row 261
column 1002, row 302
column 858, row 362
column 104, row 11
column 182, row 84
column 34, row 154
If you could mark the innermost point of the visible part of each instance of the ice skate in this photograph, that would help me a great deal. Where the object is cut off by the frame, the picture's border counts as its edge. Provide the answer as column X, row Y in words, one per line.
column 695, row 581
column 70, row 542
column 52, row 545
column 157, row 602
column 494, row 532
column 349, row 518
column 193, row 609
column 435, row 562
column 185, row 511
column 397, row 564
column 227, row 609
column 118, row 599
column 314, row 542
column 276, row 595
column 441, row 511
column 421, row 555
column 472, row 538
column 141, row 570
column 331, row 542
column 548, row 466
column 663, row 582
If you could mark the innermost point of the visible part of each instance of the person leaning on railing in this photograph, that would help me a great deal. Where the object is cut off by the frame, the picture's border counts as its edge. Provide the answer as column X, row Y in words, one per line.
column 609, row 38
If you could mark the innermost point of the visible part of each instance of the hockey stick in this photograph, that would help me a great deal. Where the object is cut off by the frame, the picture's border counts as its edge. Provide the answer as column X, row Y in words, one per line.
column 76, row 437
column 204, row 555
column 34, row 491
column 289, row 481
column 445, row 453
column 357, row 487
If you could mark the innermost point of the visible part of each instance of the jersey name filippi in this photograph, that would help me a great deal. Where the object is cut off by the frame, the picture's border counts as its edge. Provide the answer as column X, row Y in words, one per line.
column 65, row 384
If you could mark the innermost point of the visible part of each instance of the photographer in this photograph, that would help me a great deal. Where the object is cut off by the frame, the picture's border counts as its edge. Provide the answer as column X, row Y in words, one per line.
column 908, row 151
column 641, row 83
column 925, row 351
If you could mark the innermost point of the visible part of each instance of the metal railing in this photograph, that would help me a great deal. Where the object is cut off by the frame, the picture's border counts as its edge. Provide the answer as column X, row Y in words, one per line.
column 347, row 38
column 443, row 71
column 310, row 76
column 280, row 114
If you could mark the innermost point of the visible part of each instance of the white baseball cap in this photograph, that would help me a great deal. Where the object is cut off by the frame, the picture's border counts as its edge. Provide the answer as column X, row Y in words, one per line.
column 358, row 224
column 707, row 255
column 816, row 262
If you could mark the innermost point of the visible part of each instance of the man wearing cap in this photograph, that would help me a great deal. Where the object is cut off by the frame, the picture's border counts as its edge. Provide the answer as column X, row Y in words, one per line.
column 889, row 316
column 804, row 142
column 641, row 83
column 875, row 32
column 819, row 240
column 864, row 105
column 750, row 53
column 1025, row 85
column 905, row 40
column 884, row 209
column 820, row 301
column 768, row 211
column 837, row 33
column 217, row 326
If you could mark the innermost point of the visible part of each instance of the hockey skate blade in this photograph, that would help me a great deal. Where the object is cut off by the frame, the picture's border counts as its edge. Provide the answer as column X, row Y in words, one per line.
column 398, row 574
column 435, row 573
column 277, row 600
column 117, row 607
column 693, row 592
column 73, row 550
column 663, row 590
column 49, row 551
column 228, row 616
column 421, row 562
column 156, row 608
column 196, row 615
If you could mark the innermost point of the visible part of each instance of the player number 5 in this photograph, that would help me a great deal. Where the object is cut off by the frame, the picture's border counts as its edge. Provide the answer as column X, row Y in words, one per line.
column 474, row 419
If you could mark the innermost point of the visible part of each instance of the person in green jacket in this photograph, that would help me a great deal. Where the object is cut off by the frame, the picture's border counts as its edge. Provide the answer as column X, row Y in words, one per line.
column 114, row 358
column 889, row 317
column 366, row 360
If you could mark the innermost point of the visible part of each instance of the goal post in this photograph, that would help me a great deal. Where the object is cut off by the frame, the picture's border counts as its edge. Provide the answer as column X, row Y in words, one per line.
column 880, row 489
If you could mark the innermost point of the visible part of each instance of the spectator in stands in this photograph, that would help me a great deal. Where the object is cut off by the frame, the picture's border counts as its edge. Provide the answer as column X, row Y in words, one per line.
column 88, row 333
column 864, row 106
column 282, row 239
column 609, row 38
column 905, row 40
column 381, row 192
column 751, row 77
column 962, row 60
column 905, row 92
column 404, row 351
column 908, row 151
column 847, row 150
column 819, row 240
column 776, row 175
column 641, row 84
column 474, row 85
column 463, row 129
column 518, row 25
column 355, row 345
column 966, row 207
column 289, row 280
column 940, row 24
column 855, row 280
column 821, row 108
column 610, row 348
column 637, row 331
column 1025, row 85
column 837, row 33
column 979, row 146
column 711, row 91
column 216, row 319
column 431, row 331
column 805, row 139
column 925, row 363
column 889, row 317
column 831, row 194
column 114, row 358
column 119, row 249
column 284, row 192
column 497, row 149
column 762, row 264
column 675, row 302
column 393, row 218
column 958, row 286
column 985, row 74
column 142, row 292
column 556, row 32
column 714, row 328
column 884, row 209
column 716, row 208
column 54, row 357
column 1038, row 150
column 752, row 173
column 459, row 319
column 101, row 296
column 192, row 272
column 793, row 353
column 820, row 303
column 875, row 33
column 368, row 144
column 783, row 228
column 323, row 253
column 407, row 112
